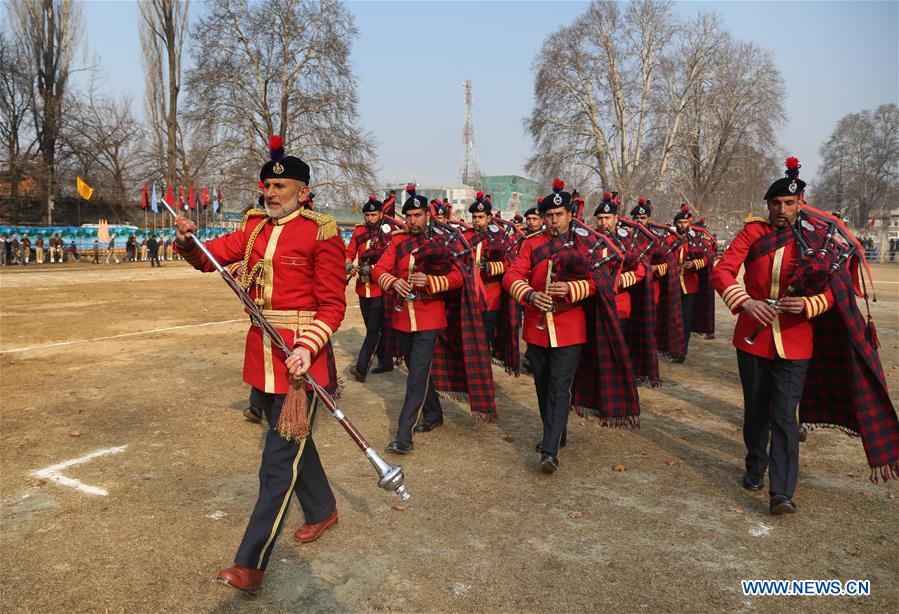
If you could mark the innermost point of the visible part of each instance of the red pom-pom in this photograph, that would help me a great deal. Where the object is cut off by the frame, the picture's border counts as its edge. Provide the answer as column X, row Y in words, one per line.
column 275, row 142
column 410, row 187
column 479, row 196
column 558, row 185
column 685, row 207
column 641, row 201
column 701, row 221
column 606, row 196
column 792, row 163
column 372, row 197
column 539, row 200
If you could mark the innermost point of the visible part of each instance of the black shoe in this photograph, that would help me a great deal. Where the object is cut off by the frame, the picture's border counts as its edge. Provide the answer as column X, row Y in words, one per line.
column 359, row 375
column 398, row 447
column 382, row 369
column 424, row 427
column 252, row 415
column 539, row 446
column 782, row 504
column 751, row 482
column 803, row 433
column 549, row 463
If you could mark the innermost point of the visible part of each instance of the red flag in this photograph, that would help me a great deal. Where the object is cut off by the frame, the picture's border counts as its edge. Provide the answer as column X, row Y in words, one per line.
column 205, row 196
column 190, row 198
column 145, row 200
column 169, row 196
column 871, row 224
column 221, row 199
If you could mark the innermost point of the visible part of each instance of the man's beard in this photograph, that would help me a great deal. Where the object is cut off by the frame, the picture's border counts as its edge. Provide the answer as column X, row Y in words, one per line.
column 283, row 212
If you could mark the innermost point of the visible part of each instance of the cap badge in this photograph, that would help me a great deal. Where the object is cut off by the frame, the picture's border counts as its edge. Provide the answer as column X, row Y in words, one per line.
column 278, row 168
column 792, row 187
column 557, row 199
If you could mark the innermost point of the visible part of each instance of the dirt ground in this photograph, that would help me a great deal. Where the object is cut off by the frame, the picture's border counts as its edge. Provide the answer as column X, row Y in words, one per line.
column 150, row 359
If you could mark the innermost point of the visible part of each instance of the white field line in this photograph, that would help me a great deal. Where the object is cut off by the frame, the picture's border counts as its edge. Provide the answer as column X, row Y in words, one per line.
column 53, row 471
column 134, row 334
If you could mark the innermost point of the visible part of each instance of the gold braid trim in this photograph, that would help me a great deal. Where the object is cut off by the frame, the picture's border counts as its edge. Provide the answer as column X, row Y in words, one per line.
column 753, row 218
column 248, row 275
column 327, row 225
column 249, row 214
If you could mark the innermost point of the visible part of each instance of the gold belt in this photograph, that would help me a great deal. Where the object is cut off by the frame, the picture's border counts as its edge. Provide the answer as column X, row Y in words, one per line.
column 296, row 321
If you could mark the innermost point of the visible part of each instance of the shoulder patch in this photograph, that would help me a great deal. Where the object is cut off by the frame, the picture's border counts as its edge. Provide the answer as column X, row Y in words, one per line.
column 252, row 213
column 327, row 225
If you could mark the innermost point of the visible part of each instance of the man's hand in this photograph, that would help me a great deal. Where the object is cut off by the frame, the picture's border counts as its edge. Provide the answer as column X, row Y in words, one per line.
column 298, row 363
column 557, row 288
column 689, row 265
column 402, row 287
column 184, row 229
column 351, row 269
column 790, row 304
column 418, row 280
column 542, row 301
column 760, row 310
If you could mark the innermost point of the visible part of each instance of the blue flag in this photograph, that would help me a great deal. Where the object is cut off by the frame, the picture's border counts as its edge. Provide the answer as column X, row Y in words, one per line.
column 153, row 204
column 215, row 200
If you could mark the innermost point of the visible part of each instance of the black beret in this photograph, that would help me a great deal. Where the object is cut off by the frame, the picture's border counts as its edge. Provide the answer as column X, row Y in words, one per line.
column 373, row 205
column 281, row 166
column 481, row 204
column 606, row 205
column 791, row 185
column 531, row 211
column 684, row 213
column 415, row 202
column 554, row 201
column 643, row 208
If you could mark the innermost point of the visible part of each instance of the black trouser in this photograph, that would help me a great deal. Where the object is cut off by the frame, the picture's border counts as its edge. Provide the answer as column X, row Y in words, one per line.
column 489, row 319
column 421, row 397
column 287, row 467
column 554, row 370
column 688, row 302
column 373, row 316
column 154, row 259
column 771, row 391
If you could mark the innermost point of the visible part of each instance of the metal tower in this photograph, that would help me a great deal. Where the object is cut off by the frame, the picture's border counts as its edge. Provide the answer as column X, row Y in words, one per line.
column 469, row 172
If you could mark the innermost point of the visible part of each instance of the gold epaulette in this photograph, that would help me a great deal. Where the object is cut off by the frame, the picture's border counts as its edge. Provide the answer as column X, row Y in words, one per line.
column 754, row 218
column 327, row 225
column 249, row 214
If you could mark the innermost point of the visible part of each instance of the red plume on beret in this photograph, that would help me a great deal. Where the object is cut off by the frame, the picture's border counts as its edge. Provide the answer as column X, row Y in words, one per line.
column 410, row 190
column 479, row 196
column 276, row 148
column 793, row 167
column 641, row 201
column 372, row 198
column 606, row 196
column 685, row 207
column 558, row 185
column 539, row 200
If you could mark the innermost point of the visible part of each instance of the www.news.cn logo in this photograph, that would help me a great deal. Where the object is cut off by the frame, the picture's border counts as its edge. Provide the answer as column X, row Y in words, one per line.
column 807, row 587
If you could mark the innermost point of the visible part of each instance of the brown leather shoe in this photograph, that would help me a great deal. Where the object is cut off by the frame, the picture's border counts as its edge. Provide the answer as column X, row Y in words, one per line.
column 311, row 532
column 242, row 578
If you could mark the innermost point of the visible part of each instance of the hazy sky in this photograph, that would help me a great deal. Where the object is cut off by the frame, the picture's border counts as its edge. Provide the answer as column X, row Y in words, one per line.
column 412, row 57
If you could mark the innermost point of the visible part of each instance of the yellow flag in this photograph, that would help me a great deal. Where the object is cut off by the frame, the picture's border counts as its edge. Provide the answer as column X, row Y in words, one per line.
column 85, row 190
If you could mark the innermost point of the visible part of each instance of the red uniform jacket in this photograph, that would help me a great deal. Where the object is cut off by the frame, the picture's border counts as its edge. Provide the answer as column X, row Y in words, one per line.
column 789, row 336
column 426, row 312
column 359, row 242
column 689, row 280
column 299, row 281
column 566, row 325
column 491, row 274
column 626, row 279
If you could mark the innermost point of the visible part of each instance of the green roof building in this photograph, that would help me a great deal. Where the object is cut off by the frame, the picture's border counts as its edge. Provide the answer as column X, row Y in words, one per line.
column 510, row 192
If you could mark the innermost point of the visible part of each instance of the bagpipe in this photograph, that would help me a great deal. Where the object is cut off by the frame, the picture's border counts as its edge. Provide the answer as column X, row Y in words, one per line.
column 812, row 275
column 441, row 245
column 637, row 230
column 379, row 243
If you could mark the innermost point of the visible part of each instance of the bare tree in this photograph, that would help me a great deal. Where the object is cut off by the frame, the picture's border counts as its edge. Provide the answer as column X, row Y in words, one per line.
column 162, row 32
column 103, row 138
column 730, row 116
column 16, row 104
column 282, row 67
column 861, row 164
column 49, row 29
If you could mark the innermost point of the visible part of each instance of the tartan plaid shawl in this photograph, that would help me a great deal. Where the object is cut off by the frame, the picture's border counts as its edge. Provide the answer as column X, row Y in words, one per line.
column 845, row 386
column 670, row 337
column 461, row 369
column 641, row 328
column 604, row 385
column 704, row 310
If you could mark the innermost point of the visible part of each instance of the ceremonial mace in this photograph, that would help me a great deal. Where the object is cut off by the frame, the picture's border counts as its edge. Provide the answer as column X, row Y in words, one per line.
column 389, row 477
